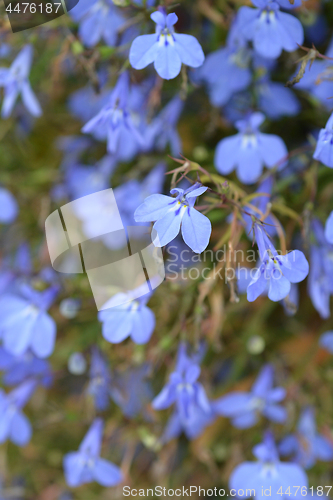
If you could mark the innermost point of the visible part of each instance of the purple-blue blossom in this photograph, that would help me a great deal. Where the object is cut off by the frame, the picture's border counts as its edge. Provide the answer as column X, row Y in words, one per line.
column 14, row 425
column 268, row 474
column 132, row 318
column 244, row 408
column 175, row 214
column 276, row 272
column 166, row 49
column 270, row 29
column 86, row 465
column 24, row 322
column 115, row 121
column 15, row 81
column 249, row 150
column 193, row 411
column 307, row 446
column 8, row 206
column 324, row 148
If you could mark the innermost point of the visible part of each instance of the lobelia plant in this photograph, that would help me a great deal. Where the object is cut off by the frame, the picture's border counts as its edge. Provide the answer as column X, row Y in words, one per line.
column 209, row 66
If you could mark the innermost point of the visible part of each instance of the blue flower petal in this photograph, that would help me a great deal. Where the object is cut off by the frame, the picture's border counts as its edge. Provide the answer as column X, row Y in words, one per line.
column 117, row 326
column 226, row 154
column 233, row 404
column 153, row 208
column 275, row 413
column 167, row 61
column 106, row 473
column 143, row 325
column 167, row 228
column 246, row 420
column 73, row 469
column 246, row 476
column 189, row 50
column 267, row 39
column 43, row 336
column 272, row 149
column 257, row 286
column 20, row 429
column 143, row 51
column 8, row 206
column 158, row 18
column 11, row 94
column 264, row 382
column 249, row 164
column 165, row 398
column 196, row 230
column 294, row 266
column 279, row 286
column 291, row 31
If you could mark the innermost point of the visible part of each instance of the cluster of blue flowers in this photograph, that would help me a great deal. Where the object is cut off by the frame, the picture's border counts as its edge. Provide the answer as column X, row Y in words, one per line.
column 138, row 125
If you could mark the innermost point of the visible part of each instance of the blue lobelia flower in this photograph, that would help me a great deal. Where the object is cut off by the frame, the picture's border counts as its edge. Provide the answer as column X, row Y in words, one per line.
column 20, row 368
column 324, row 148
column 131, row 319
column 320, row 282
column 85, row 465
column 226, row 70
column 24, row 322
column 166, row 49
column 99, row 20
column 163, row 129
column 270, row 30
column 268, row 474
column 326, row 341
column 276, row 272
column 249, row 150
column 15, row 81
column 99, row 380
column 289, row 303
column 307, row 445
column 8, row 207
column 329, row 229
column 173, row 214
column 244, row 408
column 193, row 410
column 14, row 425
column 115, row 120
